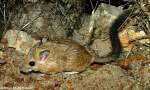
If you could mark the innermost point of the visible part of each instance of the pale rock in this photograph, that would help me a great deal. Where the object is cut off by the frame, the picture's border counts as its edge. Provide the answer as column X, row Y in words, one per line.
column 98, row 24
column 20, row 40
column 101, row 48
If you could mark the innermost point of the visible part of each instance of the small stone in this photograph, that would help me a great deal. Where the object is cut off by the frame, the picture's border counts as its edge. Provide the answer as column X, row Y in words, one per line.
column 101, row 48
column 128, row 35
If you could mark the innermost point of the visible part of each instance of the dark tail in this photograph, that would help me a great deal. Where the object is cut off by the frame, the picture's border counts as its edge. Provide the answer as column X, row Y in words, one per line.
column 113, row 33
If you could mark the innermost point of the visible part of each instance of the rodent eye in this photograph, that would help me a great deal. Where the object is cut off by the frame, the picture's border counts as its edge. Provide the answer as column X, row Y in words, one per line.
column 31, row 63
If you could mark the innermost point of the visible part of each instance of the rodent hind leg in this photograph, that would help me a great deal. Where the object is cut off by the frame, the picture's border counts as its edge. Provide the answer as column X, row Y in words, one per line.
column 75, row 66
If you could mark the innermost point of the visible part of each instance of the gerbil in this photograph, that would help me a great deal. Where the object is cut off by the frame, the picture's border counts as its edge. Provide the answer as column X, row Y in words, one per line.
column 54, row 57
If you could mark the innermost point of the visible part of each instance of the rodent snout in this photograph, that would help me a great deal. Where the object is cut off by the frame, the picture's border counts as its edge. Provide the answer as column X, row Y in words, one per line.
column 28, row 69
column 25, row 70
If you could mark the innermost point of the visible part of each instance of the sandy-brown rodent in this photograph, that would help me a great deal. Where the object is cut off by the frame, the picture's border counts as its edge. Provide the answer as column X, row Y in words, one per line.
column 58, row 56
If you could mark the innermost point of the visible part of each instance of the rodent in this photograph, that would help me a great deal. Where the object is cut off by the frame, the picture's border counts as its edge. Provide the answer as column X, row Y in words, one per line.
column 58, row 56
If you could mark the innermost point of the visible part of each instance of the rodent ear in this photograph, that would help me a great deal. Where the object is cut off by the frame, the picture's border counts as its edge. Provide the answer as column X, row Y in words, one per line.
column 43, row 55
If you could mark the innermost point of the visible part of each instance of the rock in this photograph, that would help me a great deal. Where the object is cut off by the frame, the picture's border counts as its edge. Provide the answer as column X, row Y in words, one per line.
column 20, row 40
column 129, row 34
column 98, row 24
column 104, row 17
column 101, row 48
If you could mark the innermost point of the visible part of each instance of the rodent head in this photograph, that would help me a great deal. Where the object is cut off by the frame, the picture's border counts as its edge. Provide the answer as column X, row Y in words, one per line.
column 35, row 58
column 38, row 60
